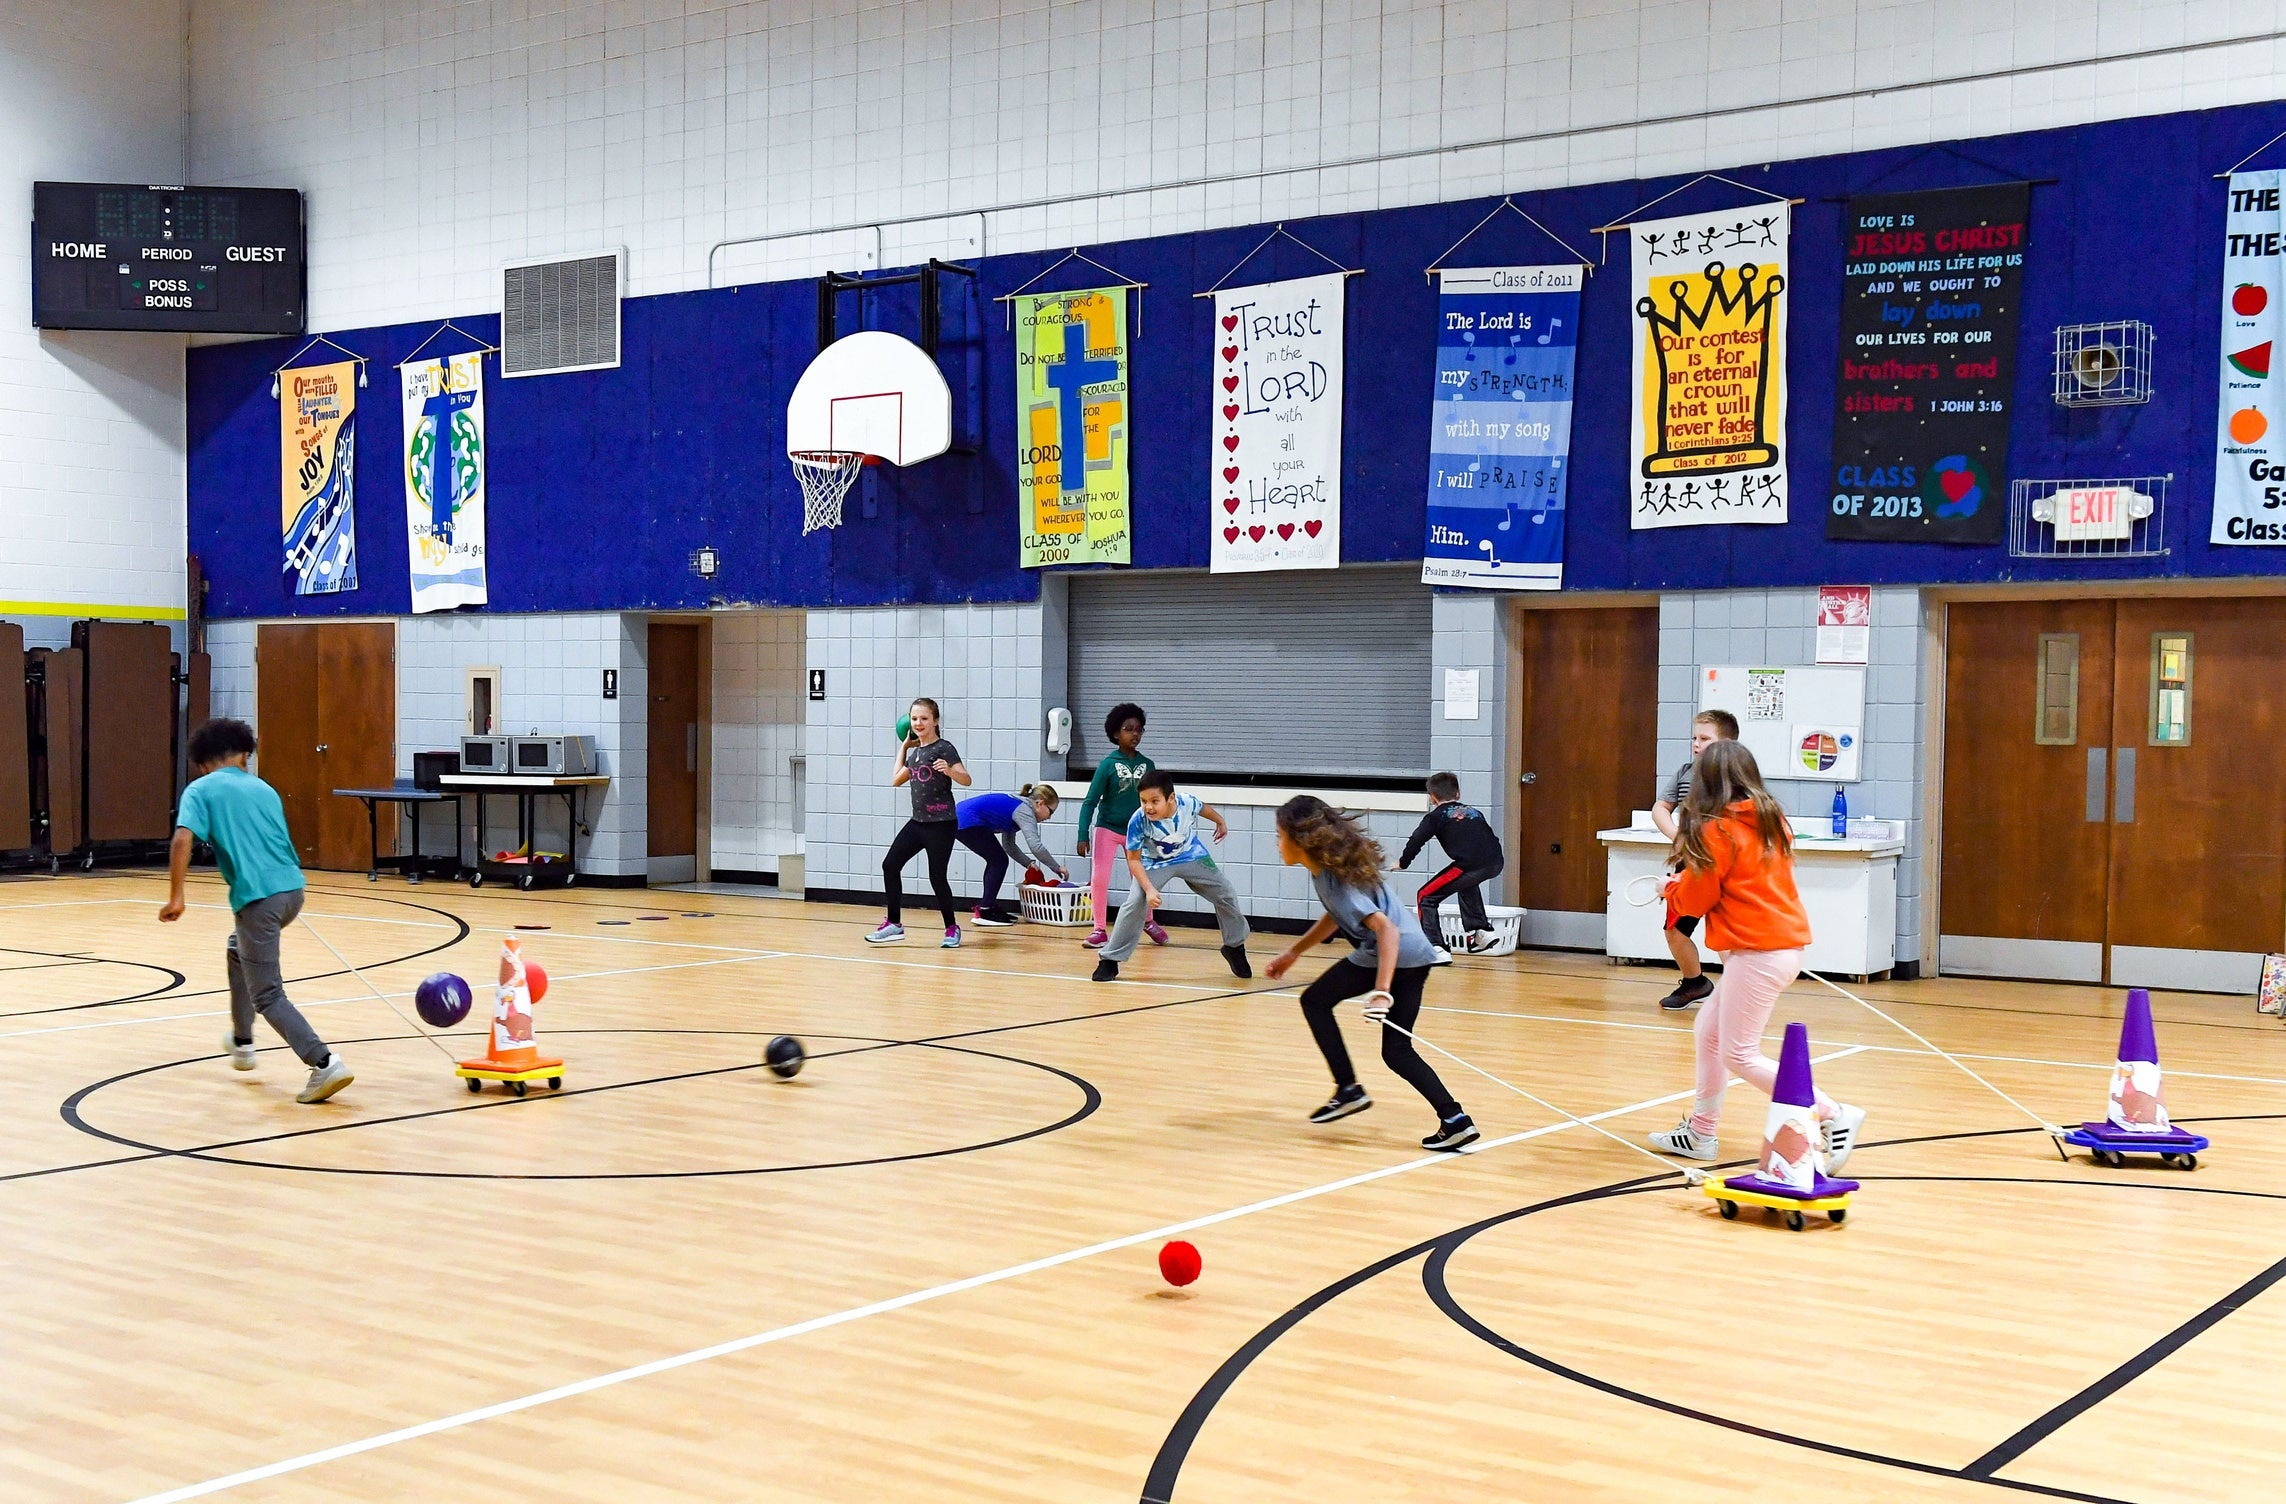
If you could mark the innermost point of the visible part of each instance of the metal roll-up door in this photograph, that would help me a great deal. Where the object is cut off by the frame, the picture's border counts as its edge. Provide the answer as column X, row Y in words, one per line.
column 1303, row 674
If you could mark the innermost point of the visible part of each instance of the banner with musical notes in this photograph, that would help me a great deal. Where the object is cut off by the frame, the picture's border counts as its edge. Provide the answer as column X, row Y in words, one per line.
column 317, row 476
column 1709, row 417
column 1500, row 426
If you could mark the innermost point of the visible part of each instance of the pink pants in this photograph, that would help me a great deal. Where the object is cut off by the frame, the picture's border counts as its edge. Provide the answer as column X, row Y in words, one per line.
column 1104, row 847
column 1730, row 1026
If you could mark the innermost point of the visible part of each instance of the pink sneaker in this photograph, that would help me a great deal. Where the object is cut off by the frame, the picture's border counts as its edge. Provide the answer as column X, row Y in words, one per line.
column 1096, row 940
column 1156, row 931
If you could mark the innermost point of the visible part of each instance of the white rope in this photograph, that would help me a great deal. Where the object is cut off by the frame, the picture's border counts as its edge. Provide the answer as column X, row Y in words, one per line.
column 377, row 992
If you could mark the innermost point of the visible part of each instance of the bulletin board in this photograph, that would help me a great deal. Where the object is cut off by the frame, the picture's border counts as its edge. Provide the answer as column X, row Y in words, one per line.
column 1798, row 722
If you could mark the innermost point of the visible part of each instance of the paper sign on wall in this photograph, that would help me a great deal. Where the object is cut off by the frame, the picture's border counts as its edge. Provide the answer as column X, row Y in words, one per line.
column 1072, row 426
column 1845, row 623
column 2250, row 439
column 1274, row 461
column 317, row 476
column 444, row 480
column 1461, row 694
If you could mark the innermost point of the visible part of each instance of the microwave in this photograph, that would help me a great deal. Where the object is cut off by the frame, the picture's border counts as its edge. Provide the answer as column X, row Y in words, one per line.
column 562, row 756
column 484, row 754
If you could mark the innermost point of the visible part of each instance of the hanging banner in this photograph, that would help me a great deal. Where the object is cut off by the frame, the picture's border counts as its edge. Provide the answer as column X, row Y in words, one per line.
column 2250, row 441
column 1072, row 426
column 317, row 476
column 1500, row 426
column 1930, row 291
column 1708, row 425
column 1275, row 460
column 444, row 480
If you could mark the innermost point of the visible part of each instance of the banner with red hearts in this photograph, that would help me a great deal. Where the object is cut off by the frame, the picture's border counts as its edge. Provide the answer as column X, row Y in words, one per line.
column 1274, row 461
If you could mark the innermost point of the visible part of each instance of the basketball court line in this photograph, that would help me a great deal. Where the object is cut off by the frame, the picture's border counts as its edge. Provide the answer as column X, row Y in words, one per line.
column 883, row 1307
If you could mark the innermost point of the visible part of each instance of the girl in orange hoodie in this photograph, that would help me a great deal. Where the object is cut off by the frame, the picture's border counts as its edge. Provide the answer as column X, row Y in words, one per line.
column 1737, row 854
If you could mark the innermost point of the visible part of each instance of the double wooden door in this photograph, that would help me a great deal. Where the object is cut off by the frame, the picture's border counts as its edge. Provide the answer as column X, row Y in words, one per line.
column 326, row 703
column 2110, row 790
column 1587, row 695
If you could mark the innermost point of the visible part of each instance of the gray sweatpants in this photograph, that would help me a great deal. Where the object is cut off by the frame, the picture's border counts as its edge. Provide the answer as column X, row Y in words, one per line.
column 258, row 985
column 1202, row 877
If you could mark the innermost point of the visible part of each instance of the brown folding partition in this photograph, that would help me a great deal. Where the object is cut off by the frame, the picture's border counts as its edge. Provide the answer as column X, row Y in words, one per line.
column 57, row 743
column 130, row 724
column 15, row 744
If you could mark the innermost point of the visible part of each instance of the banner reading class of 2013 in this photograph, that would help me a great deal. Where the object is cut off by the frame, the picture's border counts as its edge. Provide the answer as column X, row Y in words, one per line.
column 1500, row 426
column 1930, row 286
column 2250, row 438
column 444, row 480
column 1708, row 419
column 1072, row 426
column 317, row 476
column 1275, row 455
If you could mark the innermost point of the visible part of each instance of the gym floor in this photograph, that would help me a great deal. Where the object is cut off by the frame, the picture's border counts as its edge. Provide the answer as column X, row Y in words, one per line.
column 926, row 1268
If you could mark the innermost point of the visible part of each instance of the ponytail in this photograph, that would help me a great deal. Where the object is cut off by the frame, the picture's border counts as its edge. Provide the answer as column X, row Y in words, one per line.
column 1045, row 792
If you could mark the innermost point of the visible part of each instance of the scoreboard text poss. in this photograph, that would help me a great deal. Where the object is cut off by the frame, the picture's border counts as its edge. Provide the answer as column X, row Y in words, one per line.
column 188, row 260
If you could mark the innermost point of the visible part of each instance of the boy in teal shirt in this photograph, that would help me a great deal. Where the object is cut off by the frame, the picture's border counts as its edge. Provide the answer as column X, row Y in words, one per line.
column 244, row 820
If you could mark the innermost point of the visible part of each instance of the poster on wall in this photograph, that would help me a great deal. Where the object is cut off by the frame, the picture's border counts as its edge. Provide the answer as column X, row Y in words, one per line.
column 1708, row 423
column 317, row 476
column 1500, row 426
column 1930, row 292
column 1845, row 624
column 1275, row 456
column 1072, row 426
column 2250, row 441
column 1798, row 722
column 444, row 480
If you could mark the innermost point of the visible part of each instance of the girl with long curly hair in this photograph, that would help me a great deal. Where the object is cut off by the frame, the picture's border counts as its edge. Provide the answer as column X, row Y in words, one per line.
column 1388, row 965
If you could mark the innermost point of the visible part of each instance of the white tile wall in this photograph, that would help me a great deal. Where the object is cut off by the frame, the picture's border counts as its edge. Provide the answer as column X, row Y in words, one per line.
column 759, row 688
column 439, row 138
column 91, row 424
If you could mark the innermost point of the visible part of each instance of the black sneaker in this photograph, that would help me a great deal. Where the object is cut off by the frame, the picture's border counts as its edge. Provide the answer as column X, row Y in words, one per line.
column 1106, row 970
column 1691, row 990
column 989, row 920
column 1236, row 956
column 1452, row 1133
column 1342, row 1103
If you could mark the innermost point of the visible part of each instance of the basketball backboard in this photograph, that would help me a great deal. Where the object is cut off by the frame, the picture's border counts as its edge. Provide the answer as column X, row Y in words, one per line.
column 871, row 393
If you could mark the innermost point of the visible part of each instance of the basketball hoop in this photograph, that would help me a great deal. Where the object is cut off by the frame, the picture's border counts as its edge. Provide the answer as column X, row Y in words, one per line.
column 826, row 476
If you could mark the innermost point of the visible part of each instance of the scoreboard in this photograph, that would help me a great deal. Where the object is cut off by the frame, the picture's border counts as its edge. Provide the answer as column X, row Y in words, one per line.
column 167, row 259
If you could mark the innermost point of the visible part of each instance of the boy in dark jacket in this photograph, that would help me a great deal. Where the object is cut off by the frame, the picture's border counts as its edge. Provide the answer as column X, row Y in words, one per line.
column 1474, row 858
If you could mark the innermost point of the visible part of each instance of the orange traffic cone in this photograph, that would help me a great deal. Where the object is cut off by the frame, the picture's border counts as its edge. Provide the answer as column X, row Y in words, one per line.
column 512, row 1055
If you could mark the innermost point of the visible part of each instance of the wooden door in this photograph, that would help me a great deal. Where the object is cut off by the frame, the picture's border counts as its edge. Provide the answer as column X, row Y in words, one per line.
column 1587, row 746
column 327, row 707
column 2026, row 858
column 672, row 760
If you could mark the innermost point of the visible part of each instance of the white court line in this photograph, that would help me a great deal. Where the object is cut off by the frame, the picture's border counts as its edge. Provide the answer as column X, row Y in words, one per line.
column 877, row 1308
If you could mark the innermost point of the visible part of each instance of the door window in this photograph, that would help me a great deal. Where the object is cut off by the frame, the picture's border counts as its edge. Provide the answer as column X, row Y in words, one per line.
column 2170, row 689
column 2058, row 690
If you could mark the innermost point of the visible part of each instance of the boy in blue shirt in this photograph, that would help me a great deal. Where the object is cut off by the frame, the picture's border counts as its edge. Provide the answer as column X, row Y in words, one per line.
column 1163, row 842
column 242, row 818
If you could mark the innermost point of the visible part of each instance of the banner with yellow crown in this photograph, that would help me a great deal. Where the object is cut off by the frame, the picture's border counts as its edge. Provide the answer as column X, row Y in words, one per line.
column 1709, row 419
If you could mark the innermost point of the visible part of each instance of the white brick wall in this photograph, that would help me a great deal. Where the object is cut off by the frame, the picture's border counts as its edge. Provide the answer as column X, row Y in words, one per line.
column 759, row 685
column 437, row 138
column 91, row 424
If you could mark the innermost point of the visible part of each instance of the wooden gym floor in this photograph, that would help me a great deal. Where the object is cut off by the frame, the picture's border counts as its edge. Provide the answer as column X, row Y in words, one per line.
column 926, row 1269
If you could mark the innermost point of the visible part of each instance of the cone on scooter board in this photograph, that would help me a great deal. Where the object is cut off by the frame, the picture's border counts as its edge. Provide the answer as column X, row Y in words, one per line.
column 1792, row 1176
column 511, row 1052
column 2136, row 1121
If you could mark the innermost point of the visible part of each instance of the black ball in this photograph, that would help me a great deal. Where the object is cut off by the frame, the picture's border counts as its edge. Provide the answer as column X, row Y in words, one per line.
column 784, row 1057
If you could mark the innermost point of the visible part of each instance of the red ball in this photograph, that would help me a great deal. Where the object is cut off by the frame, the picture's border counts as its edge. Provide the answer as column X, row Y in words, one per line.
column 1179, row 1262
column 535, row 980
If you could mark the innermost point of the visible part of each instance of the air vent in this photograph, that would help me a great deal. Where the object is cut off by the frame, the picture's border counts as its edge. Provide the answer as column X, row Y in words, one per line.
column 560, row 316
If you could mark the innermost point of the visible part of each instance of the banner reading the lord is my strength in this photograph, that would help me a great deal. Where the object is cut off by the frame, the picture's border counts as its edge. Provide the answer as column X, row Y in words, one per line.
column 317, row 476
column 1072, row 426
column 444, row 480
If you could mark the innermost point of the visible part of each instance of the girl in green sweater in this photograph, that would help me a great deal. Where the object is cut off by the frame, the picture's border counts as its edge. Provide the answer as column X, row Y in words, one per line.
column 1112, row 798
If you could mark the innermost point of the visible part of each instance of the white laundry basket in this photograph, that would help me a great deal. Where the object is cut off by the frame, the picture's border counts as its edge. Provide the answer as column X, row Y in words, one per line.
column 1506, row 924
column 1070, row 907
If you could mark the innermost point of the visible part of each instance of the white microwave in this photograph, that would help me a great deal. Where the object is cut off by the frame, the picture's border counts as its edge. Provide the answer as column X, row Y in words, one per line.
column 484, row 754
column 557, row 756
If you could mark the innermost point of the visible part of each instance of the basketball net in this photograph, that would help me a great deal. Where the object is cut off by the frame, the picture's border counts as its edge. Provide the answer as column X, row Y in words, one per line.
column 826, row 476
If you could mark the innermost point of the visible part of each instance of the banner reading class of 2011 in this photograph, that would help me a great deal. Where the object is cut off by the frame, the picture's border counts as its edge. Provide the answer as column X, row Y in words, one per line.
column 1708, row 419
column 1072, row 426
column 1275, row 456
column 317, row 476
column 444, row 480
column 1500, row 426
column 2250, row 439
column 1930, row 286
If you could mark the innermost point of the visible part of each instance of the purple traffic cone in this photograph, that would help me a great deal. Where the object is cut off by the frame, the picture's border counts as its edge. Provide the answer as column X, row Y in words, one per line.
column 2135, row 1120
column 1793, row 1143
column 1793, row 1085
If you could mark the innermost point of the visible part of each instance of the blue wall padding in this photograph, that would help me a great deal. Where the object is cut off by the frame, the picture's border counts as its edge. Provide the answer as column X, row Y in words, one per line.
column 604, row 483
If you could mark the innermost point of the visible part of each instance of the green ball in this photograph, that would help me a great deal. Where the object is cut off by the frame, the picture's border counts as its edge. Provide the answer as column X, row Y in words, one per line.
column 904, row 727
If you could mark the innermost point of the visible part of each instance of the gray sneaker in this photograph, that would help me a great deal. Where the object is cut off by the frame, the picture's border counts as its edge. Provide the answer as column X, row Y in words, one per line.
column 326, row 1079
column 241, row 1055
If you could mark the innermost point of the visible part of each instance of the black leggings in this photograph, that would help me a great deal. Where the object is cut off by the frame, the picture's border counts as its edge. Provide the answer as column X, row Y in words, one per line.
column 1346, row 979
column 985, row 844
column 936, row 838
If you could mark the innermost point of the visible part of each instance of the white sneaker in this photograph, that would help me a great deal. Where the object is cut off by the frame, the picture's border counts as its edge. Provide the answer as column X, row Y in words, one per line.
column 1439, row 956
column 326, row 1079
column 241, row 1055
column 1841, row 1131
column 885, row 934
column 1683, row 1143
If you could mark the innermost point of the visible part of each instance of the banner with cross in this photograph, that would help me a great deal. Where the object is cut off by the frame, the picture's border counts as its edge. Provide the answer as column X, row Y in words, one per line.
column 1072, row 426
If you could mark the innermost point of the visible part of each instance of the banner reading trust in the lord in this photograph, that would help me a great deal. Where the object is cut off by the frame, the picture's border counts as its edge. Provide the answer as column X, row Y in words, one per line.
column 1708, row 419
column 1500, row 426
column 1072, row 426
column 317, row 476
column 1274, row 464
column 2250, row 440
column 444, row 480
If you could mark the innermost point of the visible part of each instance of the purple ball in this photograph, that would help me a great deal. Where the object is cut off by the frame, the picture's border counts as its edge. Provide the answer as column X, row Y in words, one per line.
column 443, row 1000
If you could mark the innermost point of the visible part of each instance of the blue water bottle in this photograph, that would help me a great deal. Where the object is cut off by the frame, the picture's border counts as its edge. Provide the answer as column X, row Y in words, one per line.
column 1841, row 813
